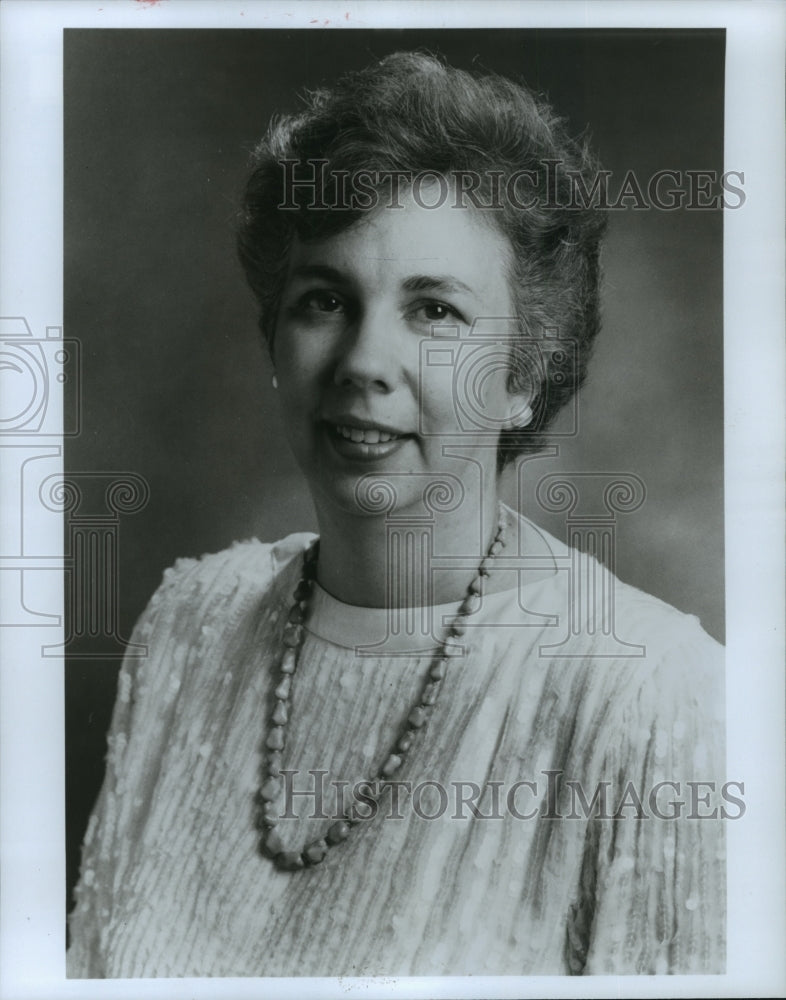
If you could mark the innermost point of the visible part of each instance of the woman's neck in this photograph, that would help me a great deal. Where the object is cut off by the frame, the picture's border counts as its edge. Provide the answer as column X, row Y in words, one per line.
column 407, row 560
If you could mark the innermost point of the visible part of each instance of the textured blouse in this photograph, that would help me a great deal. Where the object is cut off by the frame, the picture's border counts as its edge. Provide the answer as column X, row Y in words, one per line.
column 561, row 812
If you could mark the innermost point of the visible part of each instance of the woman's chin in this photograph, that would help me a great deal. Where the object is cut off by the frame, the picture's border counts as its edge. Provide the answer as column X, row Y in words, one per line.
column 361, row 478
column 349, row 497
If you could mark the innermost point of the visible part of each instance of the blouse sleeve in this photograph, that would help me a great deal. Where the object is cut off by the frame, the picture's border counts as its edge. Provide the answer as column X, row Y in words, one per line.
column 197, row 600
column 658, row 875
column 146, row 692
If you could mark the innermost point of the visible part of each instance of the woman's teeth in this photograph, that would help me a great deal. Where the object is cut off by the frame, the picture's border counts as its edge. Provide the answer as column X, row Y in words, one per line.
column 365, row 436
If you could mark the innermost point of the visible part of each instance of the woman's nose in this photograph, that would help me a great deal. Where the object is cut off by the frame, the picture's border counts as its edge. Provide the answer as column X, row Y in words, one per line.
column 367, row 352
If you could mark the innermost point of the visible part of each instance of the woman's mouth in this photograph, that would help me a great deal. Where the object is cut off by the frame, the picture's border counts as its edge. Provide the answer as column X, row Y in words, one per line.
column 364, row 443
column 365, row 435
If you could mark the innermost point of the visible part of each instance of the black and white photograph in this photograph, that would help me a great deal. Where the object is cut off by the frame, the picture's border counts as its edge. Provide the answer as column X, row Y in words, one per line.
column 399, row 531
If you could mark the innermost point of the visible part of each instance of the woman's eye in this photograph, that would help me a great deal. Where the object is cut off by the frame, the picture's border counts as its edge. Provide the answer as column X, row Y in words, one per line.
column 437, row 312
column 323, row 302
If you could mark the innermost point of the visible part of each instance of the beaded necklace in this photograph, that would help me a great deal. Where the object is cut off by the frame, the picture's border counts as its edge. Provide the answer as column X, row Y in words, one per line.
column 269, row 795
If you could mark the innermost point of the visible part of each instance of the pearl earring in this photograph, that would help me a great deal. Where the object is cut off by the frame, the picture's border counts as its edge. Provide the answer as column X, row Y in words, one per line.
column 519, row 420
column 274, row 381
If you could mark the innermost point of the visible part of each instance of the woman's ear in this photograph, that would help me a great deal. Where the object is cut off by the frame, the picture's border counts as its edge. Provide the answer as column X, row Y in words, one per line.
column 519, row 412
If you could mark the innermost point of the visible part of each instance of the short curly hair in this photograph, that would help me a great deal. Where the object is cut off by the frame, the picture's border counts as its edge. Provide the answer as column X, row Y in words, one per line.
column 412, row 113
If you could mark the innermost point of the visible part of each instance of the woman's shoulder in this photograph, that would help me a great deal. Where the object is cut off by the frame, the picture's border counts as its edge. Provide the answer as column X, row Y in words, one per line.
column 655, row 621
column 202, row 602
column 618, row 644
column 678, row 663
column 594, row 591
column 631, row 673
column 218, row 586
column 251, row 562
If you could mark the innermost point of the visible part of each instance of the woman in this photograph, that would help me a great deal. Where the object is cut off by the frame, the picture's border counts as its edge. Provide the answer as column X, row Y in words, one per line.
column 435, row 740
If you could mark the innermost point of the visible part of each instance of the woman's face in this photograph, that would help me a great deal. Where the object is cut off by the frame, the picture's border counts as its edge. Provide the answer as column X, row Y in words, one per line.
column 391, row 351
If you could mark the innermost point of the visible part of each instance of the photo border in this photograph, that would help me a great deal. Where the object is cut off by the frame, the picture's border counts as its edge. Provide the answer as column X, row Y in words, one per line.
column 32, row 936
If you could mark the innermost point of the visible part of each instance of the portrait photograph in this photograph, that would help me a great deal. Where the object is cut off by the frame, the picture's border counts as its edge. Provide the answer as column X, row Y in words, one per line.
column 392, row 527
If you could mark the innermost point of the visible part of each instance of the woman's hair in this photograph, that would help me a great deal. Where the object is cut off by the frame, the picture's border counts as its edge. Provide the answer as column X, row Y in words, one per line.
column 502, row 150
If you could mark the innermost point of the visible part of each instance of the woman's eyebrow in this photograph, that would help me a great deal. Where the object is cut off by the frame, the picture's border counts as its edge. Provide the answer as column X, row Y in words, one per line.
column 323, row 271
column 435, row 282
column 414, row 283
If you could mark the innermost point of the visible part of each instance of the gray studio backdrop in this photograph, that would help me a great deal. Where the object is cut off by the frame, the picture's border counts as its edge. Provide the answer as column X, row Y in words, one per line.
column 175, row 388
